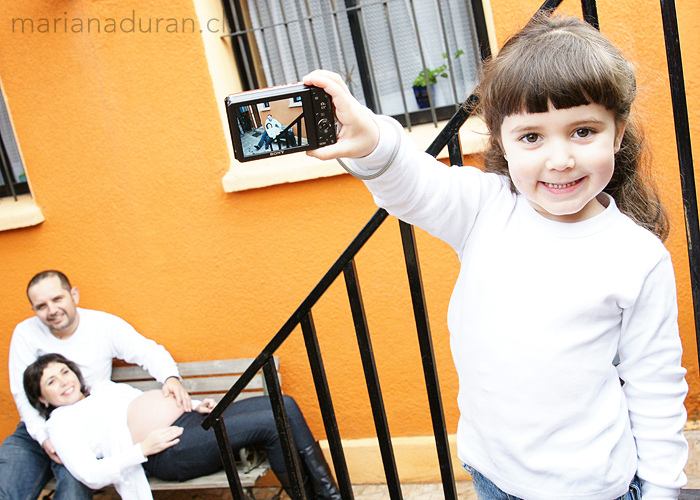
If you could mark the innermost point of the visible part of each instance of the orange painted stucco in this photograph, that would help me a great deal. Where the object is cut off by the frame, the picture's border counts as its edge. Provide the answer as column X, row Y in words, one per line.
column 125, row 151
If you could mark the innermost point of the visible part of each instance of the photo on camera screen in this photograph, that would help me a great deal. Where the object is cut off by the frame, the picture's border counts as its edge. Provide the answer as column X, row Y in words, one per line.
column 271, row 126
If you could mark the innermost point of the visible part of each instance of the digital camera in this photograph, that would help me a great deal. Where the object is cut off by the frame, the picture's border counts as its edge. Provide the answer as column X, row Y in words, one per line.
column 280, row 120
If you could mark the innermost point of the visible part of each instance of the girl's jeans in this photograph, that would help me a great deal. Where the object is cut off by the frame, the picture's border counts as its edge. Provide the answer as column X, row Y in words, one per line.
column 486, row 490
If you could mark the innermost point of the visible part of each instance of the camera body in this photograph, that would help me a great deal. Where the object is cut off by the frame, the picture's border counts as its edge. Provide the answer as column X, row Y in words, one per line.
column 280, row 120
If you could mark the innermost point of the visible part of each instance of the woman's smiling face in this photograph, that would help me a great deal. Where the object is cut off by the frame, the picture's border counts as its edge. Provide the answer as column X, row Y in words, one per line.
column 562, row 159
column 60, row 386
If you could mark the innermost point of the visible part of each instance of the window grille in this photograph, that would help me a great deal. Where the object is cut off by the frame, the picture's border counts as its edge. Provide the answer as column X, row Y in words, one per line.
column 13, row 180
column 378, row 46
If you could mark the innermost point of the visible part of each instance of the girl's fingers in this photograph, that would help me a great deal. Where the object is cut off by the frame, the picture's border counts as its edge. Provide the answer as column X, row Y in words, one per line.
column 359, row 134
column 334, row 86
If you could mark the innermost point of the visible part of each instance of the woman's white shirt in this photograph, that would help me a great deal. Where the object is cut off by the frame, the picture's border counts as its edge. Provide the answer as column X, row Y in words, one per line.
column 92, row 439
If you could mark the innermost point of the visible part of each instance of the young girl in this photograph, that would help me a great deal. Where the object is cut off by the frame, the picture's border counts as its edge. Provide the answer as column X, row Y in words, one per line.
column 562, row 268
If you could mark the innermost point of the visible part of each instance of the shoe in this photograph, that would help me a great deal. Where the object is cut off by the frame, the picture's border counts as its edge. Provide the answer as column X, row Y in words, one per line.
column 286, row 483
column 317, row 469
column 257, row 147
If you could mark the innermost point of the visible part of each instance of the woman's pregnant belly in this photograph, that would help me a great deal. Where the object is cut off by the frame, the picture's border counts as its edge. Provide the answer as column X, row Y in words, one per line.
column 151, row 411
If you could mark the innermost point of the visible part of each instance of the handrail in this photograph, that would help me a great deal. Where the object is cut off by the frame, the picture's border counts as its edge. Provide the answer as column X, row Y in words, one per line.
column 296, row 318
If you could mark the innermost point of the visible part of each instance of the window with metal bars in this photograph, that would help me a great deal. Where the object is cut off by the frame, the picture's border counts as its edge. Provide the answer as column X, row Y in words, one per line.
column 13, row 181
column 380, row 47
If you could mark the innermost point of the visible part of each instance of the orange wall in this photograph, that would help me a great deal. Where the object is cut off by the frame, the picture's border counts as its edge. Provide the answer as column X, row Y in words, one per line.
column 125, row 152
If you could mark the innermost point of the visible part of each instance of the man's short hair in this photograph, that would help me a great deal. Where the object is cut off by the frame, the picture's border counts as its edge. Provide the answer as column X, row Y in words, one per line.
column 49, row 274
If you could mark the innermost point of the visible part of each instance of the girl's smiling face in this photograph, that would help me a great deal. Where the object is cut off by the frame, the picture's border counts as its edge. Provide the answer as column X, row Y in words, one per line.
column 562, row 160
column 60, row 386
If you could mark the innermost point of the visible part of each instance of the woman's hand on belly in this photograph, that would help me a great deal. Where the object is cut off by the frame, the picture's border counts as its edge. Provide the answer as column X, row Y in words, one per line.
column 149, row 412
column 160, row 439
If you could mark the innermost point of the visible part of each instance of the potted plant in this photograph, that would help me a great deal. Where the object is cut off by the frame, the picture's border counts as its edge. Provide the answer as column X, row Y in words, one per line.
column 429, row 76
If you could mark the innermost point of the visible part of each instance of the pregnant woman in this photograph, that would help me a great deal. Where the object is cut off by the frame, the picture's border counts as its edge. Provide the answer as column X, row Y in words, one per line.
column 109, row 434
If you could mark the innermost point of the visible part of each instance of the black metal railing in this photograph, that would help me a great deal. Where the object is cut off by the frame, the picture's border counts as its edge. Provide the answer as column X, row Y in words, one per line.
column 685, row 151
column 345, row 264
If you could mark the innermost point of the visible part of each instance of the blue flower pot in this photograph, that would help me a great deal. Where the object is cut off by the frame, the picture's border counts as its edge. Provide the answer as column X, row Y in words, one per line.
column 421, row 94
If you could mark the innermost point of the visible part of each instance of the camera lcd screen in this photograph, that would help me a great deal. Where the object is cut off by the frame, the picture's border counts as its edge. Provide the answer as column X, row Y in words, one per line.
column 270, row 127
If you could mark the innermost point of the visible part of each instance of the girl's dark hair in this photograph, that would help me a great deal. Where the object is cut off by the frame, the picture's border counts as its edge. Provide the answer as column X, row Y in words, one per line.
column 32, row 380
column 566, row 62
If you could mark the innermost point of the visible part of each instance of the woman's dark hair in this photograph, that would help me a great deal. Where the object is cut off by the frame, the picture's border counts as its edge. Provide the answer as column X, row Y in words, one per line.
column 566, row 62
column 32, row 380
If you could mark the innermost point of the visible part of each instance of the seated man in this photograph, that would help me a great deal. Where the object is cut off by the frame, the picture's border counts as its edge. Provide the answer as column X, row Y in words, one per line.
column 273, row 128
column 92, row 339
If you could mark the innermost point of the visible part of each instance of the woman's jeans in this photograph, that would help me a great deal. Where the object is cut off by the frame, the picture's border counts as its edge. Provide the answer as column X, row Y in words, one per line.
column 25, row 468
column 486, row 490
column 249, row 421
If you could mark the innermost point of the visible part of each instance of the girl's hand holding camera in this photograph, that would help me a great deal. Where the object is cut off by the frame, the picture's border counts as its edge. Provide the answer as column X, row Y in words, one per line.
column 359, row 134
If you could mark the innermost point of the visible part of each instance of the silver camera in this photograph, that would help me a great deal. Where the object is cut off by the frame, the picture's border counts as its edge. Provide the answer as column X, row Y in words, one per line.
column 280, row 120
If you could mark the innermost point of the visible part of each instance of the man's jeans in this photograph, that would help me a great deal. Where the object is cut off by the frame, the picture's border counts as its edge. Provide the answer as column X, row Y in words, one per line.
column 486, row 490
column 25, row 468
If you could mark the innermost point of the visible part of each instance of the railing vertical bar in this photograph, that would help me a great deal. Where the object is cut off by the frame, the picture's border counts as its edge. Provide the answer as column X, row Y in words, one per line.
column 452, row 126
column 455, row 150
column 447, row 51
column 310, row 20
column 228, row 460
column 351, row 8
column 265, row 44
column 289, row 41
column 685, row 151
column 326, row 403
column 348, row 73
column 482, row 33
column 590, row 13
column 289, row 450
column 428, row 358
column 431, row 98
column 372, row 379
column 370, row 66
column 549, row 6
column 238, row 25
column 8, row 148
column 6, row 173
column 396, row 65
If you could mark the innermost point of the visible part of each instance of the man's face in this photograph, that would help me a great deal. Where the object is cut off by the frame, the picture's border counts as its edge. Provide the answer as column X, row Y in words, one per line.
column 55, row 306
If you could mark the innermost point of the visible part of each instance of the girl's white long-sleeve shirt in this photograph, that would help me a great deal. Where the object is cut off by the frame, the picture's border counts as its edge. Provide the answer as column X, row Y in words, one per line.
column 537, row 315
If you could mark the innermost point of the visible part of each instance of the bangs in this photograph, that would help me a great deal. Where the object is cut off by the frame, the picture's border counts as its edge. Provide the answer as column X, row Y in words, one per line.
column 566, row 76
column 561, row 67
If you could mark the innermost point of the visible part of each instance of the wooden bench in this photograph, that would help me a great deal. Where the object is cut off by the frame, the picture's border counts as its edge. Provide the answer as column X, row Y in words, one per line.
column 204, row 379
